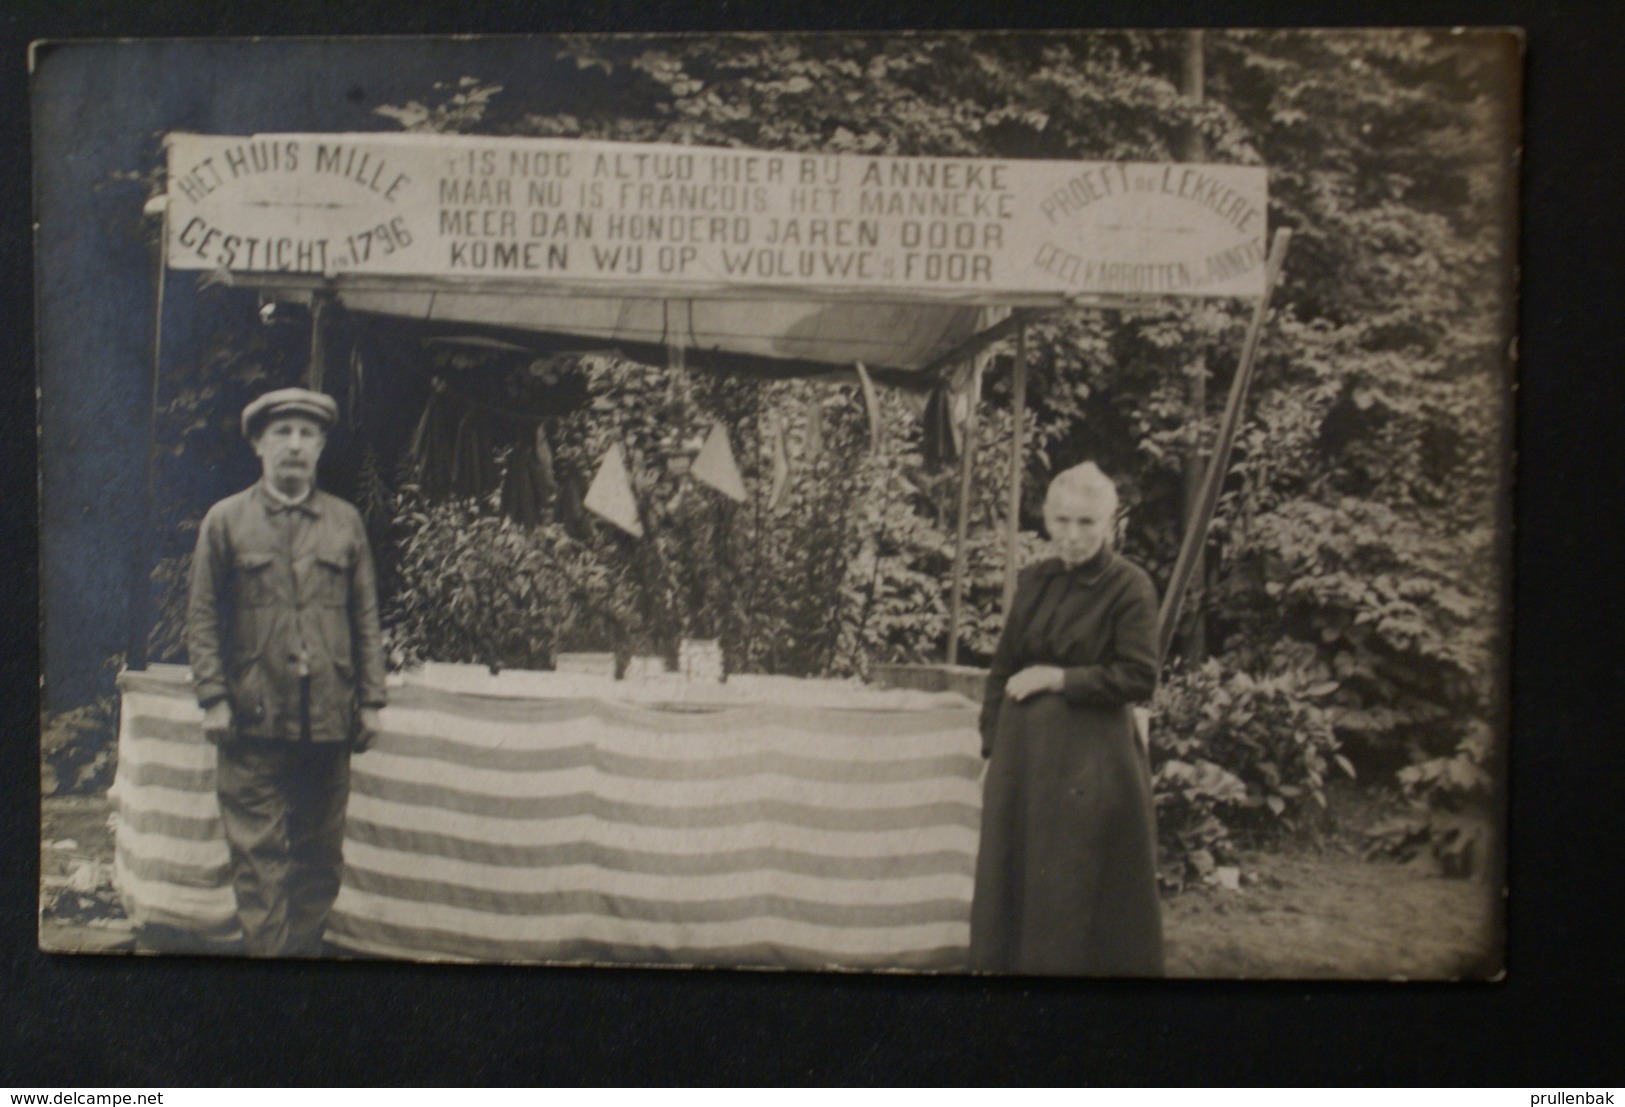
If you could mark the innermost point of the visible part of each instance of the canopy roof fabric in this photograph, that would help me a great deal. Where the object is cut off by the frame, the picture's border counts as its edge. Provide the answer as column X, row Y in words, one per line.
column 905, row 344
column 801, row 335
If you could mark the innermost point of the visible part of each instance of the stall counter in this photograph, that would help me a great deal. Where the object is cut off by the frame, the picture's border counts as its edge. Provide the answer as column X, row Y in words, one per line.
column 547, row 817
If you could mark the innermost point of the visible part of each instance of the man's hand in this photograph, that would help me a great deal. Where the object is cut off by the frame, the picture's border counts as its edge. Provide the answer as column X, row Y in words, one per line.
column 367, row 728
column 217, row 721
column 1033, row 680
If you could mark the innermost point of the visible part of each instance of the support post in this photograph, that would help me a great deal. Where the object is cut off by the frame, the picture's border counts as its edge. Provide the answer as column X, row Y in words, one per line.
column 1219, row 464
column 967, row 460
column 982, row 339
column 316, row 371
column 1194, row 150
column 140, row 628
column 1018, row 421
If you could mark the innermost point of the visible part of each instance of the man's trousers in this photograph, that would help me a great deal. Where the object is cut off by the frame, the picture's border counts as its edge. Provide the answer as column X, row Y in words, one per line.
column 283, row 807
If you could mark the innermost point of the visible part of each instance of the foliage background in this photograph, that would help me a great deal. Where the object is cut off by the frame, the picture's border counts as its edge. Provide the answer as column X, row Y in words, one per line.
column 1358, row 541
column 1359, row 548
column 1357, row 568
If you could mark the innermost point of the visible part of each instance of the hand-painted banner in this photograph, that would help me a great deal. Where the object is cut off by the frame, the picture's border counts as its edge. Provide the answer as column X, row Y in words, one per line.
column 603, row 215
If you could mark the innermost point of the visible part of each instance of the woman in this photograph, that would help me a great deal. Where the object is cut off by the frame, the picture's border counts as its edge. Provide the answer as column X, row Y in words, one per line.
column 1066, row 874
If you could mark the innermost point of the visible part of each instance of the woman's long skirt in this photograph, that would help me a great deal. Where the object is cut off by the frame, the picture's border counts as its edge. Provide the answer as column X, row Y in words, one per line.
column 1066, row 878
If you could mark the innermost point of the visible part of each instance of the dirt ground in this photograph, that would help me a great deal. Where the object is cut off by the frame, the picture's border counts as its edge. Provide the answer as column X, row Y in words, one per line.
column 1298, row 913
column 78, row 907
column 1333, row 915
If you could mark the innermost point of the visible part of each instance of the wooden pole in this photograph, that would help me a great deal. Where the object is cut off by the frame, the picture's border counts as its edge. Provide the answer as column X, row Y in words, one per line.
column 135, row 656
column 316, row 371
column 1196, row 533
column 1194, row 150
column 982, row 339
column 755, row 533
column 967, row 459
column 1018, row 419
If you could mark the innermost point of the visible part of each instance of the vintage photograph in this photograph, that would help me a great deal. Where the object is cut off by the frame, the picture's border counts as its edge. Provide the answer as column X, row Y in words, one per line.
column 1022, row 503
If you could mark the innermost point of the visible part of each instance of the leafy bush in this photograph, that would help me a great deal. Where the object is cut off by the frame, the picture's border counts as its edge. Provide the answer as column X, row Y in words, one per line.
column 1194, row 799
column 1357, row 593
column 171, row 584
column 478, row 587
column 79, row 748
column 1234, row 753
column 1451, row 818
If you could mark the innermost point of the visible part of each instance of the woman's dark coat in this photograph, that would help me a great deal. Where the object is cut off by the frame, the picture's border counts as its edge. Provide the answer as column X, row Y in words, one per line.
column 1066, row 874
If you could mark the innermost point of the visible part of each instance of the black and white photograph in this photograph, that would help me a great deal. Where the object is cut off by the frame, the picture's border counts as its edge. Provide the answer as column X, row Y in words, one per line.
column 1024, row 503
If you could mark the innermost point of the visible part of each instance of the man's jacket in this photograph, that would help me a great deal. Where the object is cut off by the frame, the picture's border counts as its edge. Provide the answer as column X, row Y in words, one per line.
column 280, row 594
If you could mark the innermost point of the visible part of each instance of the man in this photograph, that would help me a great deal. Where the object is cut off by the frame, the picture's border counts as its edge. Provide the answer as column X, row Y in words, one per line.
column 287, row 661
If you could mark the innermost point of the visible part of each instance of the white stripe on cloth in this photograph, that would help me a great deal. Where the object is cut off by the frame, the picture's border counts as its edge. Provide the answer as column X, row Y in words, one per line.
column 680, row 736
column 678, row 793
column 636, row 932
column 672, row 889
column 678, row 841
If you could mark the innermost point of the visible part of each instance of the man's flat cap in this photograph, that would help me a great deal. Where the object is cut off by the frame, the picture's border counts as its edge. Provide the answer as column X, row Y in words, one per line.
column 290, row 401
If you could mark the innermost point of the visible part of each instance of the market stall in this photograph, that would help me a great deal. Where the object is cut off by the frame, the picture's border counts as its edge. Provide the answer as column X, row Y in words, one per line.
column 552, row 816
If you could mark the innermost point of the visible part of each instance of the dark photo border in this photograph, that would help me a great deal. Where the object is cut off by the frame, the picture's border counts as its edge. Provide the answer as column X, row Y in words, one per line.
column 75, row 1021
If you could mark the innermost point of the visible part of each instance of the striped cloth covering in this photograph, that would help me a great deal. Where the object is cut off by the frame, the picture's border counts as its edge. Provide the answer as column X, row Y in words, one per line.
column 580, row 828
column 169, row 853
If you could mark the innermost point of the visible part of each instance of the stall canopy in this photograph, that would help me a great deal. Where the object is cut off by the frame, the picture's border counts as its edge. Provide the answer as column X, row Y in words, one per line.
column 771, row 337
column 765, row 262
column 775, row 262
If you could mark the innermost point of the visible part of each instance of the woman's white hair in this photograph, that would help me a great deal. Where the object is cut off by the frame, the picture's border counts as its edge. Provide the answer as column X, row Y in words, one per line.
column 1084, row 482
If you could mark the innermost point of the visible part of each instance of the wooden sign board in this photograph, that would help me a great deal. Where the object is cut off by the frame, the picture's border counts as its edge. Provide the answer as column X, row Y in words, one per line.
column 605, row 215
